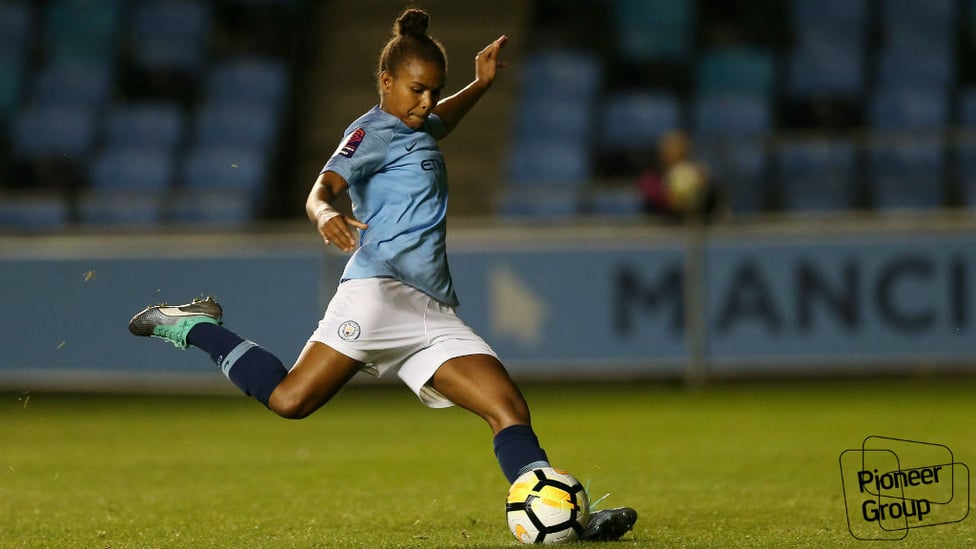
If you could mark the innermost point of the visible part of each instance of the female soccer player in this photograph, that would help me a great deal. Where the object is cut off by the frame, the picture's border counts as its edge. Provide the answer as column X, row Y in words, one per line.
column 394, row 308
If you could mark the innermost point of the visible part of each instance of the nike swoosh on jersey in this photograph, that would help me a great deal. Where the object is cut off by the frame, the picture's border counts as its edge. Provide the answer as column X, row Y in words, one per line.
column 410, row 146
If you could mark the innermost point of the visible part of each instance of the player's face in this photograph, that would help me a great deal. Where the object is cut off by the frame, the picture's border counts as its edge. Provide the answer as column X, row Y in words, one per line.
column 412, row 92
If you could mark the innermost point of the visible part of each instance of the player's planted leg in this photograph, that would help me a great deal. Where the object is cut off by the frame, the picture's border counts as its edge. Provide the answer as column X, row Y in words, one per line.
column 479, row 383
column 609, row 524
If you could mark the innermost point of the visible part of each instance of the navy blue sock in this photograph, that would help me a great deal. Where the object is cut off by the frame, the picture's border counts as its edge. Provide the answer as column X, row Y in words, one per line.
column 253, row 369
column 517, row 449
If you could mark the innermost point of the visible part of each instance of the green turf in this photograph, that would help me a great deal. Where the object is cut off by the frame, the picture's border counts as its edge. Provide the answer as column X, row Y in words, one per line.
column 737, row 465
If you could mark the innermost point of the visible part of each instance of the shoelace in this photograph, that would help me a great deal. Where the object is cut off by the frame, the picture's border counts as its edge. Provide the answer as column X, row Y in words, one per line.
column 598, row 501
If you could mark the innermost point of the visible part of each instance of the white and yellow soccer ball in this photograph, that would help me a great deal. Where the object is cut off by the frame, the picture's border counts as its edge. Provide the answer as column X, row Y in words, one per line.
column 547, row 505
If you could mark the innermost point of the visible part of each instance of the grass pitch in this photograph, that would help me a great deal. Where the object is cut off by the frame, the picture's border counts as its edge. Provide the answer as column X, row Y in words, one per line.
column 736, row 465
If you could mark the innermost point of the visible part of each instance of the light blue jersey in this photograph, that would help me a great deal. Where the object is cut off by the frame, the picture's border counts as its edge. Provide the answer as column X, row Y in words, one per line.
column 398, row 186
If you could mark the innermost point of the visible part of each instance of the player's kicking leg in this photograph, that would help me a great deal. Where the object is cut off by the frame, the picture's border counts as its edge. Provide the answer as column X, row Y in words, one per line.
column 316, row 377
column 253, row 369
column 173, row 323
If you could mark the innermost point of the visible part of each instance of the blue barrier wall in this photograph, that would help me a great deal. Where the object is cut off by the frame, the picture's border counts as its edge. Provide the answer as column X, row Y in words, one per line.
column 817, row 301
column 838, row 301
column 559, row 305
column 66, row 304
column 578, row 310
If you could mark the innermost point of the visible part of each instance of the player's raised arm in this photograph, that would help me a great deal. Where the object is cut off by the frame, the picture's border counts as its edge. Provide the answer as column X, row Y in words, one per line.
column 332, row 225
column 486, row 64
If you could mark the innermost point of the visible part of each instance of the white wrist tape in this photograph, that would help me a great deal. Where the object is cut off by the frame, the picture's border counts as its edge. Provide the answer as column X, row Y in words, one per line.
column 329, row 212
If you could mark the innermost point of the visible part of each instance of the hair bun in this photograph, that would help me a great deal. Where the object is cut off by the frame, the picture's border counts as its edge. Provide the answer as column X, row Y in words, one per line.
column 412, row 22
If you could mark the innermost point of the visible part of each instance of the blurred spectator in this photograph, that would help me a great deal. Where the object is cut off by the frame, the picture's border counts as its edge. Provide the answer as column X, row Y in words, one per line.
column 678, row 188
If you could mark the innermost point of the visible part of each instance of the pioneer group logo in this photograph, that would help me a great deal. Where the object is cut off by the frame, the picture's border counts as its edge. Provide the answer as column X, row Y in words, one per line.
column 893, row 485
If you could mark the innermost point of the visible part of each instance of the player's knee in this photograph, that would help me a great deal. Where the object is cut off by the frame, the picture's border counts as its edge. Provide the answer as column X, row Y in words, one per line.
column 288, row 409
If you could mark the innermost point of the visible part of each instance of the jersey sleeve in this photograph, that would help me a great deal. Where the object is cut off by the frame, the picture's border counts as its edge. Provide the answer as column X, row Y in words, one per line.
column 361, row 153
column 435, row 126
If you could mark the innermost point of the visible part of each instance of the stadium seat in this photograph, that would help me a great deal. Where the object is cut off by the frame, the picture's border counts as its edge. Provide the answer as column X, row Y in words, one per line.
column 548, row 161
column 273, row 3
column 838, row 17
column 660, row 30
column 247, row 124
column 967, row 108
column 58, row 131
column 131, row 169
column 906, row 173
column 33, row 212
column 561, row 74
column 16, row 19
column 749, row 71
column 909, row 109
column 723, row 115
column 540, row 204
column 221, row 167
column 170, row 35
column 822, row 68
column 822, row 27
column 916, row 68
column 671, row 43
column 970, row 22
column 816, row 175
column 635, row 120
column 738, row 169
column 121, row 209
column 826, row 65
column 558, row 118
column 224, row 208
column 907, row 23
column 918, row 12
column 965, row 171
column 84, row 83
column 619, row 203
column 49, row 146
column 149, row 124
column 248, row 79
column 16, row 22
column 558, row 92
column 12, row 76
column 86, row 29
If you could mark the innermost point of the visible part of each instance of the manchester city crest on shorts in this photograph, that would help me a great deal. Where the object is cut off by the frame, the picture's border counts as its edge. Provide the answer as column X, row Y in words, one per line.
column 349, row 330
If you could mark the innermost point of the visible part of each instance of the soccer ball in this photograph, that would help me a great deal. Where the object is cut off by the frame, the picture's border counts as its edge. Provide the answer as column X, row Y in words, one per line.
column 547, row 505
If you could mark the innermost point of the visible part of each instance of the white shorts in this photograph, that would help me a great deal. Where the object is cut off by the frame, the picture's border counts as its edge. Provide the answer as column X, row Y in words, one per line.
column 388, row 325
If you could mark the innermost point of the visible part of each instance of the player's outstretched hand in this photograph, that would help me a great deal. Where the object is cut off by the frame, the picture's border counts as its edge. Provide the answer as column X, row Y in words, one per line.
column 487, row 62
column 335, row 230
